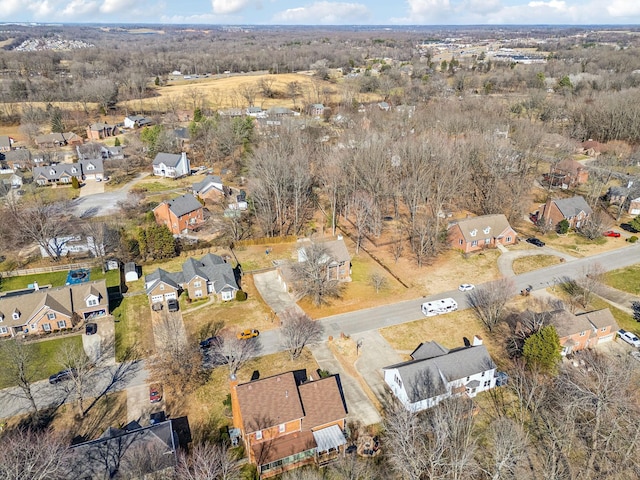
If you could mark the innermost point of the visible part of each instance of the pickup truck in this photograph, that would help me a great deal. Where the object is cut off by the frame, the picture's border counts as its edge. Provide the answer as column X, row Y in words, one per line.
column 629, row 337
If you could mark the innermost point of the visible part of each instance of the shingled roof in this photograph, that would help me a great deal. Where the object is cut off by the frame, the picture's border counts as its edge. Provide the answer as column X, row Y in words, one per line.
column 184, row 204
column 571, row 207
column 169, row 159
column 485, row 226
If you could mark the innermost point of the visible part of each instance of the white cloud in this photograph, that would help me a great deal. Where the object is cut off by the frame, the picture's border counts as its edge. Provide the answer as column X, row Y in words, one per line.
column 624, row 8
column 555, row 4
column 42, row 9
column 114, row 6
column 481, row 6
column 80, row 7
column 225, row 7
column 429, row 8
column 8, row 7
column 327, row 13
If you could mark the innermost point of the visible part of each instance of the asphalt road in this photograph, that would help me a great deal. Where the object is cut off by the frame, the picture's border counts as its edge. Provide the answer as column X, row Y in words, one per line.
column 101, row 204
column 12, row 403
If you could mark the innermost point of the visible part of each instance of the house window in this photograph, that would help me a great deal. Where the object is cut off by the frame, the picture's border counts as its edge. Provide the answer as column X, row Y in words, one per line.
column 16, row 315
column 467, row 379
column 398, row 381
column 46, row 327
column 161, row 287
column 483, row 374
column 90, row 167
column 34, row 326
column 92, row 302
column 198, row 293
column 51, row 315
column 603, row 329
column 508, row 239
column 474, row 243
column 473, row 232
column 228, row 295
column 281, row 428
column 487, row 230
column 62, row 324
column 460, row 242
column 259, row 435
column 487, row 241
column 583, row 333
column 487, row 383
column 197, row 284
column 4, row 330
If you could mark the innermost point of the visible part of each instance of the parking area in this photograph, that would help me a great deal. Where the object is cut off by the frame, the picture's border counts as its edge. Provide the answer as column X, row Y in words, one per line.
column 139, row 408
column 91, row 187
column 100, row 347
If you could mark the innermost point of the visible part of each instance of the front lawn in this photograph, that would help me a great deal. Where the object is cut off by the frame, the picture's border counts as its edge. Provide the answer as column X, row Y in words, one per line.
column 47, row 353
column 626, row 279
column 534, row 262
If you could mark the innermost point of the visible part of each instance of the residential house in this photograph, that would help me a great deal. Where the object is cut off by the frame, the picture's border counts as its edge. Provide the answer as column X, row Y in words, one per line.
column 116, row 447
column 210, row 187
column 567, row 173
column 575, row 210
column 255, row 112
column 276, row 112
column 43, row 310
column 475, row 233
column 89, row 151
column 171, row 165
column 584, row 330
column 316, row 109
column 230, row 112
column 112, row 153
column 210, row 275
column 92, row 169
column 6, row 143
column 436, row 373
column 57, row 174
column 287, row 421
column 98, row 131
column 52, row 140
column 73, row 139
column 12, row 180
column 73, row 244
column 136, row 121
column 634, row 206
column 18, row 159
column 180, row 214
column 338, row 262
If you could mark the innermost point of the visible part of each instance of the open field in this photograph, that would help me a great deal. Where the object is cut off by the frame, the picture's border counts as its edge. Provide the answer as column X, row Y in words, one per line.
column 534, row 262
column 132, row 318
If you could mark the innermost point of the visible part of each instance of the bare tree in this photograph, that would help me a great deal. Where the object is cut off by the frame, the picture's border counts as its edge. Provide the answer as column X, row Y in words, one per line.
column 377, row 281
column 234, row 352
column 313, row 278
column 298, row 330
column 590, row 282
column 73, row 359
column 20, row 367
column 509, row 444
column 247, row 91
column 489, row 301
column 208, row 461
column 34, row 456
column 104, row 239
column 595, row 225
column 351, row 467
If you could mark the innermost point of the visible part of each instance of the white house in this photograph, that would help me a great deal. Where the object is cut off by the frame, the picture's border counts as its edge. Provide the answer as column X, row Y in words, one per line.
column 136, row 121
column 437, row 373
column 171, row 165
column 73, row 245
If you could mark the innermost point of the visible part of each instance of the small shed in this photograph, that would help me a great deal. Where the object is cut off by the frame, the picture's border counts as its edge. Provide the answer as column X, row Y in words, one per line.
column 130, row 272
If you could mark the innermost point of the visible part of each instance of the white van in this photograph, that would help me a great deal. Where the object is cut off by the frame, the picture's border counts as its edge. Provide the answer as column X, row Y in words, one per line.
column 438, row 307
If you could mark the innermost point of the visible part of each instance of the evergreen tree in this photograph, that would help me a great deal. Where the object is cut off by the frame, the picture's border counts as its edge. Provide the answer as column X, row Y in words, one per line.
column 542, row 350
column 75, row 183
column 117, row 142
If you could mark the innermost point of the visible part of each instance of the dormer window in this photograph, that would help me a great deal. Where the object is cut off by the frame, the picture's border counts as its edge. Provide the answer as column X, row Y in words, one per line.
column 487, row 230
column 73, row 170
column 473, row 232
column 92, row 302
column 52, row 172
column 90, row 167
column 16, row 314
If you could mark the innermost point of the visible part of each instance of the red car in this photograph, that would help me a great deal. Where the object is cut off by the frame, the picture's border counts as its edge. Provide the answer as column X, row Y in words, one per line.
column 155, row 393
column 611, row 233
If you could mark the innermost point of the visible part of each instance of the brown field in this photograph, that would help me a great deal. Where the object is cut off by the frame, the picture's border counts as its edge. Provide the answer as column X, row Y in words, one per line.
column 528, row 264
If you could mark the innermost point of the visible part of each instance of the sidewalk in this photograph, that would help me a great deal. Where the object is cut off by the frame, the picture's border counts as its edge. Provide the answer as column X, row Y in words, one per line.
column 617, row 298
column 359, row 405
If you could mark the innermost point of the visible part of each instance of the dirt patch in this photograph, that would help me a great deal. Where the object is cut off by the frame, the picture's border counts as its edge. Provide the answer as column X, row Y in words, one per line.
column 534, row 262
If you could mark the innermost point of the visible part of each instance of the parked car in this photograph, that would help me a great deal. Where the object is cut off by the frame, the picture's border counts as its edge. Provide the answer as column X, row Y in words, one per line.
column 247, row 334
column 535, row 241
column 62, row 376
column 91, row 328
column 611, row 233
column 155, row 393
column 629, row 337
column 208, row 342
column 172, row 305
column 465, row 287
column 628, row 228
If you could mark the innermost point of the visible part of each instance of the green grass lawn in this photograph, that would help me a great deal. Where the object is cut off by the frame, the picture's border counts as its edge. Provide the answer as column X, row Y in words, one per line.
column 626, row 279
column 624, row 320
column 56, row 279
column 133, row 326
column 47, row 354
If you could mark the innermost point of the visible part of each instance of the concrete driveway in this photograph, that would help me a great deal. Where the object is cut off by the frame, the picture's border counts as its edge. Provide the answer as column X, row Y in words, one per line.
column 376, row 353
column 273, row 292
column 100, row 348
column 360, row 407
column 101, row 204
column 91, row 187
column 138, row 405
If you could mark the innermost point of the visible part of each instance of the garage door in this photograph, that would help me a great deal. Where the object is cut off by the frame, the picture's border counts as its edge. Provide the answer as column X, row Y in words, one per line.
column 608, row 338
column 156, row 298
column 170, row 295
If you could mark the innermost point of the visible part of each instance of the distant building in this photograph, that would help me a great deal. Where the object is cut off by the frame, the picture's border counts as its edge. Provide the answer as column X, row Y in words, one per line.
column 171, row 165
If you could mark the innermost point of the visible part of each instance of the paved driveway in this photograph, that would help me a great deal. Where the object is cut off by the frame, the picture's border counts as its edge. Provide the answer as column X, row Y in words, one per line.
column 138, row 405
column 101, row 204
column 273, row 293
column 100, row 348
column 376, row 353
column 91, row 187
column 506, row 258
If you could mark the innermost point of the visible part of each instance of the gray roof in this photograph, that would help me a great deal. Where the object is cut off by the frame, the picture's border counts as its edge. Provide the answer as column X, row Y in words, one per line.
column 102, row 457
column 184, row 204
column 100, row 126
column 210, row 267
column 169, row 159
column 98, row 166
column 206, row 184
column 571, row 207
column 130, row 267
column 485, row 226
column 22, row 154
column 428, row 377
column 55, row 172
column 429, row 350
column 5, row 141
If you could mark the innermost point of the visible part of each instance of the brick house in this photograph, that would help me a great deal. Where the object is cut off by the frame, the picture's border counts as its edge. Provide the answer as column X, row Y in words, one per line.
column 567, row 173
column 475, row 233
column 288, row 420
column 44, row 310
column 210, row 187
column 210, row 275
column 339, row 266
column 181, row 214
column 98, row 131
column 575, row 210
column 585, row 330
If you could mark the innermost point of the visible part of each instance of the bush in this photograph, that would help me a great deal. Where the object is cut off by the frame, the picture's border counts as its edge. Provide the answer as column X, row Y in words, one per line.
column 75, row 183
column 632, row 239
column 241, row 296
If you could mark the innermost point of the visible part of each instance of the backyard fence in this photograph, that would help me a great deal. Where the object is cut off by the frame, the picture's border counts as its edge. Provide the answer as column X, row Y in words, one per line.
column 52, row 268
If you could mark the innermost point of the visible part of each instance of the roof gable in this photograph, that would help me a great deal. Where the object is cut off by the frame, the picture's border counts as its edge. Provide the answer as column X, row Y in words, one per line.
column 184, row 204
column 571, row 207
column 484, row 226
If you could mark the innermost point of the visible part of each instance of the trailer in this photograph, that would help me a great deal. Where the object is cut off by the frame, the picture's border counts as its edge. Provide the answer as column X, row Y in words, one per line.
column 439, row 307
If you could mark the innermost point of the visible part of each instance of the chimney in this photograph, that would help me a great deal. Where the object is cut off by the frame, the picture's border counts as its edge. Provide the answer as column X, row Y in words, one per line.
column 477, row 340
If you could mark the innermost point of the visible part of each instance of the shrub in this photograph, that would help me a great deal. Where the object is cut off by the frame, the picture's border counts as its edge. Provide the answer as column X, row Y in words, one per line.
column 241, row 296
column 75, row 183
column 632, row 239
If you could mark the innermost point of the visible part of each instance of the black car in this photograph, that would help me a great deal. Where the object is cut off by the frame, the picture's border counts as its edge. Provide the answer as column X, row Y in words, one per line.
column 172, row 305
column 535, row 241
column 208, row 342
column 61, row 376
column 91, row 328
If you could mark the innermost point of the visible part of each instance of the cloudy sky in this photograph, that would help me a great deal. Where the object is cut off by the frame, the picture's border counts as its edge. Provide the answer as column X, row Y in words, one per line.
column 326, row 12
